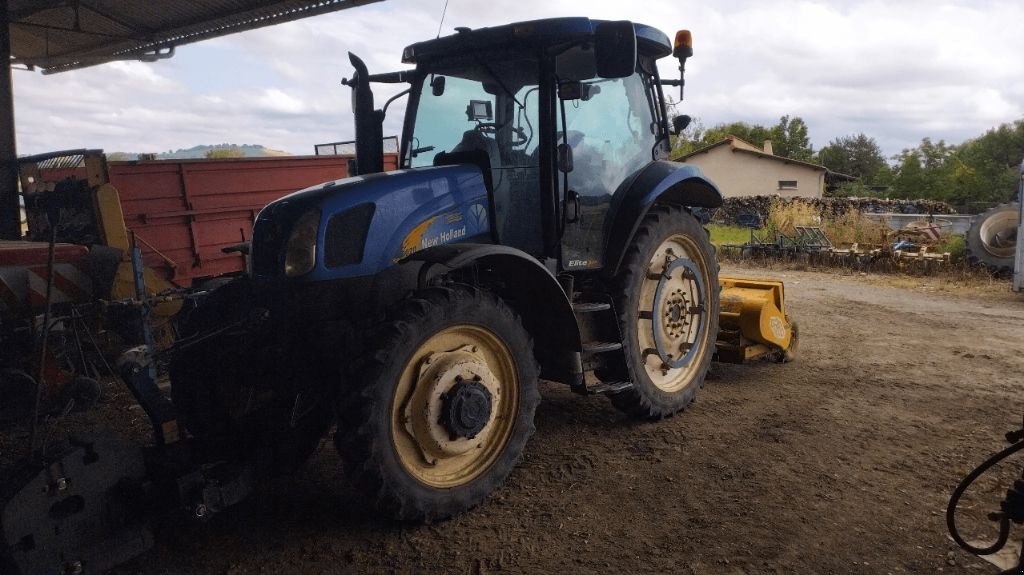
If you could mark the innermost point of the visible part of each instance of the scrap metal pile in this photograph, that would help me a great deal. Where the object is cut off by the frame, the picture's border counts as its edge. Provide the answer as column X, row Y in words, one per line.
column 915, row 248
column 810, row 245
column 735, row 209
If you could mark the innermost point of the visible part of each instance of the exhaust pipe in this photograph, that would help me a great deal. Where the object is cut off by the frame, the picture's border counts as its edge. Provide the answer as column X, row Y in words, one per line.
column 368, row 121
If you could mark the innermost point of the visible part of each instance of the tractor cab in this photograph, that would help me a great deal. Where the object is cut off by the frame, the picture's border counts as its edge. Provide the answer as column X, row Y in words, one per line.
column 558, row 114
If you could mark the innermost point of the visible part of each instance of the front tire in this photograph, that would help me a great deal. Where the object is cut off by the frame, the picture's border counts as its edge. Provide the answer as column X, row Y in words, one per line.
column 435, row 417
column 667, row 301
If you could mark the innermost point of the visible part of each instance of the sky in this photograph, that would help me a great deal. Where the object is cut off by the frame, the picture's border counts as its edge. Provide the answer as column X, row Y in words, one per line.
column 897, row 71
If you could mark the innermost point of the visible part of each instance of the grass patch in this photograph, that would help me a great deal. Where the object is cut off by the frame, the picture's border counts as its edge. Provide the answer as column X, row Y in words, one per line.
column 724, row 234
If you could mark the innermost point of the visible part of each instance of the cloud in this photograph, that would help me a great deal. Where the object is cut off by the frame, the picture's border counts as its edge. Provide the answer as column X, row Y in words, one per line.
column 897, row 71
column 276, row 101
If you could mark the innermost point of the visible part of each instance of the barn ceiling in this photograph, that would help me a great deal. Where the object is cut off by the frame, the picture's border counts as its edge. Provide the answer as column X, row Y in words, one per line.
column 59, row 35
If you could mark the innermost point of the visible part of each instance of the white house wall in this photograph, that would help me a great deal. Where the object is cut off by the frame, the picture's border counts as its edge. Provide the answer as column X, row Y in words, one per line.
column 743, row 174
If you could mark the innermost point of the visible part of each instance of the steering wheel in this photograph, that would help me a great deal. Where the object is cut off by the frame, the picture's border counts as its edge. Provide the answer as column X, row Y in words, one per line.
column 488, row 127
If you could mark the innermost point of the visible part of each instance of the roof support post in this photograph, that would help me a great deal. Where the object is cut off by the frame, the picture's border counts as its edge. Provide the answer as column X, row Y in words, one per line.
column 10, row 209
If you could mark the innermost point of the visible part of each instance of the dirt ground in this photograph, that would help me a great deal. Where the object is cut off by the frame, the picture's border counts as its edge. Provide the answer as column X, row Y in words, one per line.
column 841, row 462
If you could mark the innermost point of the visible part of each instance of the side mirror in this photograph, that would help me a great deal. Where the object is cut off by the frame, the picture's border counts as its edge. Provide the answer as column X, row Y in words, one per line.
column 679, row 123
column 564, row 158
column 437, row 86
column 615, row 49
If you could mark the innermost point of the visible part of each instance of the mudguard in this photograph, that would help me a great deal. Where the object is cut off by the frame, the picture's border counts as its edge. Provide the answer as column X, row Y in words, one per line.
column 527, row 286
column 660, row 181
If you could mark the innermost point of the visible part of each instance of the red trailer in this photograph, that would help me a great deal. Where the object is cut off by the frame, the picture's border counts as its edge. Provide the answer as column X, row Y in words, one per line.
column 183, row 212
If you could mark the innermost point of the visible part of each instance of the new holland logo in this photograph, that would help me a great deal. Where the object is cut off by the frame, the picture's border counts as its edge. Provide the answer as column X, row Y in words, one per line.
column 479, row 213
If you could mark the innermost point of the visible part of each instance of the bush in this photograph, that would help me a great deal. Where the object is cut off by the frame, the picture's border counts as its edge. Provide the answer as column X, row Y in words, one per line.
column 855, row 228
column 785, row 216
column 956, row 245
column 846, row 228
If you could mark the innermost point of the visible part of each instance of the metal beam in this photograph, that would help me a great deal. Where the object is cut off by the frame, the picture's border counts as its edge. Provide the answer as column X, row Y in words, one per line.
column 10, row 208
column 40, row 6
column 1018, row 268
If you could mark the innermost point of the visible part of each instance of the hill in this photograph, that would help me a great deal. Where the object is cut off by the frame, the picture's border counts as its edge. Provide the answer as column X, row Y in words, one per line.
column 201, row 151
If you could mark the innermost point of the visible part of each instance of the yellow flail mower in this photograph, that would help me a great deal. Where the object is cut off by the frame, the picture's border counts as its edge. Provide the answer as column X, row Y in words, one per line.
column 753, row 323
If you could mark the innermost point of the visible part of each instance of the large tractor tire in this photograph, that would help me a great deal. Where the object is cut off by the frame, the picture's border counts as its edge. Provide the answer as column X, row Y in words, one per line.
column 992, row 239
column 666, row 295
column 436, row 415
column 237, row 403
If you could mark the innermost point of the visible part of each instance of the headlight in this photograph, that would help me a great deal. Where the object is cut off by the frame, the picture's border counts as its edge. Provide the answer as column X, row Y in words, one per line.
column 300, row 255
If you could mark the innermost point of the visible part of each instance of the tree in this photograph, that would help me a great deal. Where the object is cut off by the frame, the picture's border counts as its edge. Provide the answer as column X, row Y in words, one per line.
column 927, row 172
column 858, row 156
column 225, row 152
column 989, row 164
column 789, row 137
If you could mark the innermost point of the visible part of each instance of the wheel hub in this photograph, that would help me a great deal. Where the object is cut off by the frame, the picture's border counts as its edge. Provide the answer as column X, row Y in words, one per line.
column 453, row 409
column 678, row 300
column 465, row 409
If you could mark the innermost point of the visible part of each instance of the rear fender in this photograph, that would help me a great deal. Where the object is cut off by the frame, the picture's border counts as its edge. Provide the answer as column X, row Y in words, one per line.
column 521, row 281
column 660, row 182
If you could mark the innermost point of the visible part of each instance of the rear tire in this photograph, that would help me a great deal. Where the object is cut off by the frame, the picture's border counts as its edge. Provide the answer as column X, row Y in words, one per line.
column 992, row 239
column 436, row 415
column 669, row 324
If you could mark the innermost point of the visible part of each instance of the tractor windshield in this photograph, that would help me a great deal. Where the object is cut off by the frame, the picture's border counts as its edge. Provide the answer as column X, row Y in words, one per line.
column 488, row 106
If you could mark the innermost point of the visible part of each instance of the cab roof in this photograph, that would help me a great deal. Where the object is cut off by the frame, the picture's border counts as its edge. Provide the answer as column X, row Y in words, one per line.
column 532, row 34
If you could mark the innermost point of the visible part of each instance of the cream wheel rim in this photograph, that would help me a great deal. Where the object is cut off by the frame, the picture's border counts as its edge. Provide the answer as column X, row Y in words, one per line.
column 455, row 406
column 672, row 324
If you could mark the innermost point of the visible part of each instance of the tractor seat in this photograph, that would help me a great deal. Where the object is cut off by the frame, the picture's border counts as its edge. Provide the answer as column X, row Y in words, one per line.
column 474, row 140
column 474, row 148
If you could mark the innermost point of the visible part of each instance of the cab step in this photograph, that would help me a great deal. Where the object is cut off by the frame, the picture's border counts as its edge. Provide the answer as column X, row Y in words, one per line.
column 601, row 346
column 590, row 306
column 611, row 387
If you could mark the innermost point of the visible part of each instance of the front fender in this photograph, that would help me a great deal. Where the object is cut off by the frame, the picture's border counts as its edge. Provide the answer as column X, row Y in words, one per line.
column 660, row 181
column 523, row 283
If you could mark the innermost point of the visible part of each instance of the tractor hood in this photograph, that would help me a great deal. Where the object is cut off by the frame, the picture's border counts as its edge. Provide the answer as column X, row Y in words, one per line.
column 360, row 225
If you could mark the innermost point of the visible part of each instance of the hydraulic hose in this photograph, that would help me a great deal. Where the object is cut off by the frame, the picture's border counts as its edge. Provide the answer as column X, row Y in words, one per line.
column 1011, row 506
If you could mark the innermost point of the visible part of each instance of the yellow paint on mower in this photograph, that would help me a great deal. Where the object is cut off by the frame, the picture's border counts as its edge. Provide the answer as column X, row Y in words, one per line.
column 110, row 220
column 753, row 321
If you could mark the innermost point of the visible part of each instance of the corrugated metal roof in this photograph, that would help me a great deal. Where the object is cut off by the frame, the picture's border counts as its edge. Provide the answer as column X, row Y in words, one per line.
column 59, row 35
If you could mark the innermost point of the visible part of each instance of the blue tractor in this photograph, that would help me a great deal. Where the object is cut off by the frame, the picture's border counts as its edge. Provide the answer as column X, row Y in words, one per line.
column 535, row 230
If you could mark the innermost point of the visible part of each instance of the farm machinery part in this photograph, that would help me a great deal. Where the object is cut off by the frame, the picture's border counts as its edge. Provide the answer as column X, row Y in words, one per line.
column 88, row 212
column 89, row 507
column 994, row 239
column 753, row 323
column 911, row 248
column 72, row 283
column 1009, row 513
column 534, row 230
